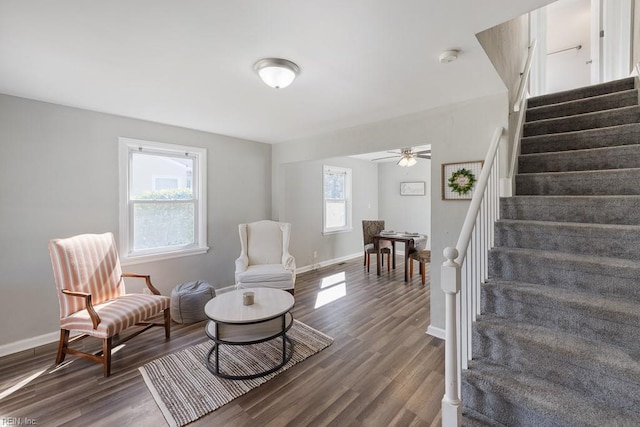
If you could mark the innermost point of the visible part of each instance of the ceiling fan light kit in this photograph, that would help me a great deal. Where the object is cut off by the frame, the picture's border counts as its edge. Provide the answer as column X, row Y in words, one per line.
column 276, row 72
column 408, row 156
column 407, row 161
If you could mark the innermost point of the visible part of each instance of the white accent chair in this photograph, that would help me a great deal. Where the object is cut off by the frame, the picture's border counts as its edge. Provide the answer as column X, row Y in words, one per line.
column 264, row 258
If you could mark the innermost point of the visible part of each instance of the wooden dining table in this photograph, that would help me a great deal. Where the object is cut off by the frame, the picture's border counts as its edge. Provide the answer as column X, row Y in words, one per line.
column 407, row 239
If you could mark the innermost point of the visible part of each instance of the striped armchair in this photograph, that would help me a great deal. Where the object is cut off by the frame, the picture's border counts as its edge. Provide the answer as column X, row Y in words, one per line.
column 92, row 297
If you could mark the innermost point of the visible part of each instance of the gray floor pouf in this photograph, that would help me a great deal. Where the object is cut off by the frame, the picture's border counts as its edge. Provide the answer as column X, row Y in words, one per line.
column 188, row 301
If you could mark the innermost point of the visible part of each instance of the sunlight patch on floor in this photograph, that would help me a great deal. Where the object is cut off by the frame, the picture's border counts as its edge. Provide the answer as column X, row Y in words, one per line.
column 21, row 384
column 334, row 279
column 333, row 288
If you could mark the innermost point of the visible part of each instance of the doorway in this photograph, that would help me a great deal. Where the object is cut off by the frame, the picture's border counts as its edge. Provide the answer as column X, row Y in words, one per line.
column 580, row 42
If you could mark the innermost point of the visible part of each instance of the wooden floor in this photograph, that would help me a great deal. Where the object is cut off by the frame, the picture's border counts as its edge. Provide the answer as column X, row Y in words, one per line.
column 381, row 370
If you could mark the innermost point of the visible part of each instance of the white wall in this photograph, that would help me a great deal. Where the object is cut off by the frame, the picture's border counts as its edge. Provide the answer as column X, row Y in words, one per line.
column 568, row 25
column 636, row 36
column 303, row 209
column 59, row 177
column 458, row 132
column 405, row 213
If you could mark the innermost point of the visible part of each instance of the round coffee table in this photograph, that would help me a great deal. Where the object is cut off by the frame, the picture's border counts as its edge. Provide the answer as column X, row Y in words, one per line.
column 232, row 323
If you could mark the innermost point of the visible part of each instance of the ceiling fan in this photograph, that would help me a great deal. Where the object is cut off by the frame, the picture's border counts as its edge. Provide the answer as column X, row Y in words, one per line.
column 407, row 156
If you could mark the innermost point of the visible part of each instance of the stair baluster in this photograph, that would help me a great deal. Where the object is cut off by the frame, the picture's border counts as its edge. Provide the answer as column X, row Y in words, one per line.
column 462, row 272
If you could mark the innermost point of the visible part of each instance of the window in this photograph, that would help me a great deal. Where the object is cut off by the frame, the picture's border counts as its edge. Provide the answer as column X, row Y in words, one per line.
column 162, row 200
column 337, row 199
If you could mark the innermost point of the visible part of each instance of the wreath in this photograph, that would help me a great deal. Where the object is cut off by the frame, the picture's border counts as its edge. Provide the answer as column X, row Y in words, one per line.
column 461, row 181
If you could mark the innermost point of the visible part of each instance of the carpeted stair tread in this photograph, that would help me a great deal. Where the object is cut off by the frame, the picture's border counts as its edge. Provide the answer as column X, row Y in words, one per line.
column 617, row 157
column 471, row 418
column 558, row 340
column 588, row 209
column 598, row 119
column 606, row 101
column 595, row 182
column 581, row 139
column 605, row 240
column 610, row 277
column 584, row 92
column 518, row 399
column 603, row 372
column 608, row 319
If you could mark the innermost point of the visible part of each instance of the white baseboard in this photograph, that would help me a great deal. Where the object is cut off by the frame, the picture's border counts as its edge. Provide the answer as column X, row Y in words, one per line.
column 29, row 343
column 326, row 263
column 436, row 332
column 33, row 342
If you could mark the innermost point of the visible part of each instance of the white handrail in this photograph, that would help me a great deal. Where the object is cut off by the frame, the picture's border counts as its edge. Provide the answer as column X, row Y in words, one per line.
column 519, row 107
column 478, row 194
column 508, row 188
column 517, row 104
column 466, row 265
column 481, row 214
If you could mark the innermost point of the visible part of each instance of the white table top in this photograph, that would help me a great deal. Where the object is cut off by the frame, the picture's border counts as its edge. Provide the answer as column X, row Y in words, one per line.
column 268, row 303
column 419, row 240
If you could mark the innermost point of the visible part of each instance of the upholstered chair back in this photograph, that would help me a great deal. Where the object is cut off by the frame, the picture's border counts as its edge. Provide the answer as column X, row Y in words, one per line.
column 370, row 228
column 265, row 241
column 86, row 263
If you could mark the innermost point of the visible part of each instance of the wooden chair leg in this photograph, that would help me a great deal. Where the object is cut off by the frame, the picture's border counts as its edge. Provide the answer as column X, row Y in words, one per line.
column 62, row 346
column 411, row 268
column 365, row 259
column 368, row 261
column 423, row 271
column 388, row 262
column 106, row 356
column 167, row 323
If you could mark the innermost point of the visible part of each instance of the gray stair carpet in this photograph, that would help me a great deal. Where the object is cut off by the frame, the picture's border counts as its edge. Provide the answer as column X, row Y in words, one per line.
column 558, row 340
column 587, row 138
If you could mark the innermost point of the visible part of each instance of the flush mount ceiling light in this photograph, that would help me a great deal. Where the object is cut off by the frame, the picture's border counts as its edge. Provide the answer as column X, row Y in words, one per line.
column 408, row 158
column 275, row 72
column 449, row 56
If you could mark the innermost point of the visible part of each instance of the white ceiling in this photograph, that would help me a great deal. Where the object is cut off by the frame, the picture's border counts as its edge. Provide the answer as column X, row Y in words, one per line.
column 190, row 63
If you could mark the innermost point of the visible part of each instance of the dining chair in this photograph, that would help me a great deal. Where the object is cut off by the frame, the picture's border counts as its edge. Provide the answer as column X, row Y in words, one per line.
column 422, row 255
column 369, row 229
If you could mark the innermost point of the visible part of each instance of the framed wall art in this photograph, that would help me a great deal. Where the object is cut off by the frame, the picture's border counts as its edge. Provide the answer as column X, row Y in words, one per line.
column 417, row 188
column 459, row 179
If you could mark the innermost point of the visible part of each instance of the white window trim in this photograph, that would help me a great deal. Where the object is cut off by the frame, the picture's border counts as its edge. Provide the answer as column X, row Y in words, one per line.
column 127, row 145
column 348, row 201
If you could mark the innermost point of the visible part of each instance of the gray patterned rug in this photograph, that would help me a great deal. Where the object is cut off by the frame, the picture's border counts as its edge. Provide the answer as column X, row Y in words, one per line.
column 185, row 390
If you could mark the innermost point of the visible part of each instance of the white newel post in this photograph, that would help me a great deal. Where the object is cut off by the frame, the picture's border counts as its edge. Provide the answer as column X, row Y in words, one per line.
column 450, row 276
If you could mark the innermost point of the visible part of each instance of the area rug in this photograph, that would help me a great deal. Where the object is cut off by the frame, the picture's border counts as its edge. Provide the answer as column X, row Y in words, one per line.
column 185, row 390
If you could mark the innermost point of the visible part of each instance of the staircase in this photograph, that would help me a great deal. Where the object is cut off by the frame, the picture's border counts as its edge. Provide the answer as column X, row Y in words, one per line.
column 558, row 343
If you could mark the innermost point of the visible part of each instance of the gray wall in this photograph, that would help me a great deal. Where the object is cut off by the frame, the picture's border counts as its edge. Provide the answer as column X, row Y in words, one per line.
column 376, row 195
column 303, row 209
column 59, row 177
column 458, row 132
column 405, row 213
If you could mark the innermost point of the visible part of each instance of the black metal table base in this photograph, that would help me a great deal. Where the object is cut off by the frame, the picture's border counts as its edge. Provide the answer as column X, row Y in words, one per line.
column 287, row 350
column 214, row 366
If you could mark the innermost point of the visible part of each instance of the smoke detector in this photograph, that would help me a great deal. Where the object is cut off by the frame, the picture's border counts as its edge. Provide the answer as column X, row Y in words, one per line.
column 448, row 56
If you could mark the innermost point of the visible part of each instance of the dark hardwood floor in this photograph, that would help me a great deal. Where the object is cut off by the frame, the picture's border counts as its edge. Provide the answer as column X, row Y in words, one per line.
column 381, row 370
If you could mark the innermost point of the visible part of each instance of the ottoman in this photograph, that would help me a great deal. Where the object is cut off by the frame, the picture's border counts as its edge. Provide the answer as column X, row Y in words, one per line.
column 188, row 301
